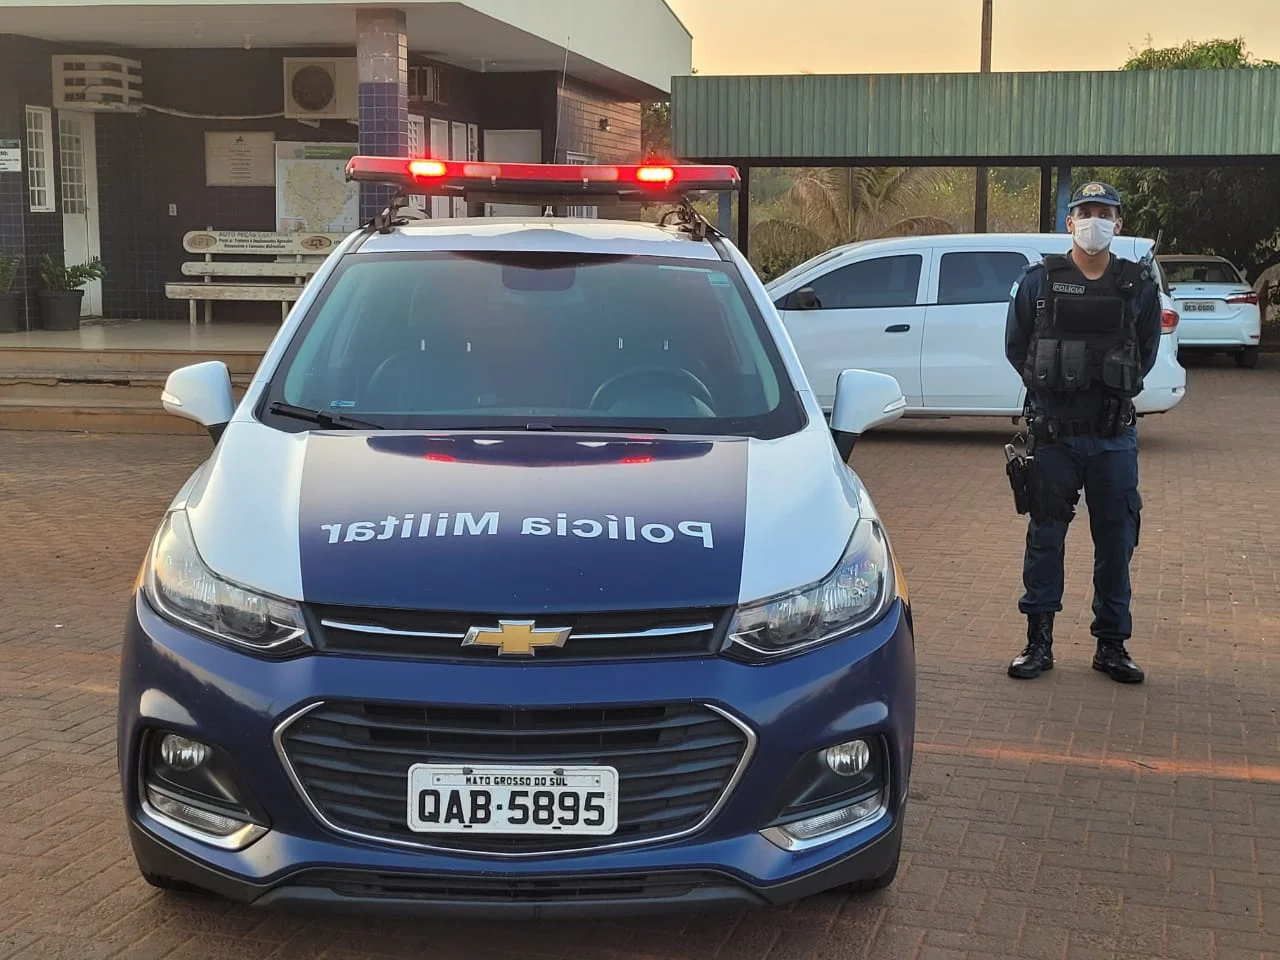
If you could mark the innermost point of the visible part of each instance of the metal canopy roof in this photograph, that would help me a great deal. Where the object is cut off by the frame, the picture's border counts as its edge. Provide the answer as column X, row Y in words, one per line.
column 994, row 118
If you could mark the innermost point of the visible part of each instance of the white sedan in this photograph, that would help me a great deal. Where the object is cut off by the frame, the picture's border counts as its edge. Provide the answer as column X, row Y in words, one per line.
column 1219, row 309
column 930, row 311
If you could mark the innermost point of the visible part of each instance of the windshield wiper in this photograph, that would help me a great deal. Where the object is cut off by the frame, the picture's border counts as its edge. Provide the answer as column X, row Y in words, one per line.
column 324, row 418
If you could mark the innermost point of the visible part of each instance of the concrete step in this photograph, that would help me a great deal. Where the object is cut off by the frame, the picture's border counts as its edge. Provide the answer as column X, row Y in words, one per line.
column 92, row 416
column 61, row 360
column 75, row 387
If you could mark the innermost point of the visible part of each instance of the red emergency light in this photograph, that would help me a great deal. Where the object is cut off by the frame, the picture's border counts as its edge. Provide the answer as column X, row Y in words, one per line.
column 636, row 182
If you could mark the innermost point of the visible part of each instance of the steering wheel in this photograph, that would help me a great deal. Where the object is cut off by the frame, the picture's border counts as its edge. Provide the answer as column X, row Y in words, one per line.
column 404, row 357
column 672, row 376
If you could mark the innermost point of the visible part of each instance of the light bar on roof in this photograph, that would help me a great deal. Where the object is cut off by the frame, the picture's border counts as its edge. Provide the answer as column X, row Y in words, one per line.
column 637, row 182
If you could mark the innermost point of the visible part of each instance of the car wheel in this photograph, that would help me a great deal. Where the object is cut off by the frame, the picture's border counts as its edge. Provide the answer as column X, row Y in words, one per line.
column 1247, row 358
column 872, row 884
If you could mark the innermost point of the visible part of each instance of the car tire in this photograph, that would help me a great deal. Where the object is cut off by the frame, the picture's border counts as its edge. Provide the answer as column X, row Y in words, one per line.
column 168, row 883
column 872, row 884
column 1247, row 358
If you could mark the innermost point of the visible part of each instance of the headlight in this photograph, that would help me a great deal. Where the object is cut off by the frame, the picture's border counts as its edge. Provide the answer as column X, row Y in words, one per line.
column 855, row 594
column 182, row 589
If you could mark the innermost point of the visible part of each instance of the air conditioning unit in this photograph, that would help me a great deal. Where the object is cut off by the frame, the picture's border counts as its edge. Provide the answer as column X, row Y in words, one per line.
column 321, row 89
column 97, row 82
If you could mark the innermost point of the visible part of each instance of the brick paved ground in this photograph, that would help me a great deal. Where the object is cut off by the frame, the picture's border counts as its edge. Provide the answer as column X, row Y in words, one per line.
column 1069, row 817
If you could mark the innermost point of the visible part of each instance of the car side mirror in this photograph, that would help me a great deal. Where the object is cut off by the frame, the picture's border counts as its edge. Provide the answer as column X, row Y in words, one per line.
column 201, row 392
column 864, row 399
column 802, row 299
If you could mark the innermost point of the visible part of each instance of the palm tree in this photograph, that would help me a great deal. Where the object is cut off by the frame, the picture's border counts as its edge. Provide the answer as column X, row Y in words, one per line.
column 828, row 207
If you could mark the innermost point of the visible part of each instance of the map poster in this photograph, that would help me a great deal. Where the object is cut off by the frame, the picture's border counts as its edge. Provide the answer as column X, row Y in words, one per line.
column 312, row 193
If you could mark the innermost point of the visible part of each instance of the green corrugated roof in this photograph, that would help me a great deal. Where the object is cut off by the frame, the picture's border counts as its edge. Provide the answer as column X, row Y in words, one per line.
column 1106, row 115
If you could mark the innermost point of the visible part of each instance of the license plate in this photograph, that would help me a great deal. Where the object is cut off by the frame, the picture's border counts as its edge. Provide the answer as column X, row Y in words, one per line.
column 1199, row 306
column 453, row 798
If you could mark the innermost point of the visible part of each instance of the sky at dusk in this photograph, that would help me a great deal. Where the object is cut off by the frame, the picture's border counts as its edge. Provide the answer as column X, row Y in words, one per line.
column 908, row 36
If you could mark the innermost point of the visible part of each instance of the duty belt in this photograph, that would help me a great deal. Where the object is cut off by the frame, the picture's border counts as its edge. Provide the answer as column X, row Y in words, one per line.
column 1116, row 415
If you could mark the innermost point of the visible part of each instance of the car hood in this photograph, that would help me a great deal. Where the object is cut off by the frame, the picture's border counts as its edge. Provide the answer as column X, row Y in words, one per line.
column 521, row 523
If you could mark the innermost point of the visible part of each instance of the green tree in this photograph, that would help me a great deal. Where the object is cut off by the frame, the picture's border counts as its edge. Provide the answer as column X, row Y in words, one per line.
column 827, row 207
column 655, row 129
column 1230, row 211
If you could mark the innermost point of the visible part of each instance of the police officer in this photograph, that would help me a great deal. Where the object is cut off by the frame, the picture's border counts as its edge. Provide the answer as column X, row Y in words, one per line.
column 1083, row 330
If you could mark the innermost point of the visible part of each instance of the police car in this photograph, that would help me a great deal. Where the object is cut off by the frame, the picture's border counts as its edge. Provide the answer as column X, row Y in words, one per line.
column 527, row 577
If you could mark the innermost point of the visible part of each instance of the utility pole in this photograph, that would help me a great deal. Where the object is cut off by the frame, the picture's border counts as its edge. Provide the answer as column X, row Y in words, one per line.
column 980, row 179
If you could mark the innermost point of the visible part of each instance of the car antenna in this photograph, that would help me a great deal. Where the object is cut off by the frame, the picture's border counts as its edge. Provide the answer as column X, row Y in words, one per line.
column 564, row 76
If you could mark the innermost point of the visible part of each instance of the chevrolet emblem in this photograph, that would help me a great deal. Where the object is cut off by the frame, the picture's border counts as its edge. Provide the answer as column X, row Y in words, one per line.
column 516, row 637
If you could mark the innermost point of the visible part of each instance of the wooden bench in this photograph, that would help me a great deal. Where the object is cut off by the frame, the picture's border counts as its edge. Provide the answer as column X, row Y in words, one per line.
column 258, row 279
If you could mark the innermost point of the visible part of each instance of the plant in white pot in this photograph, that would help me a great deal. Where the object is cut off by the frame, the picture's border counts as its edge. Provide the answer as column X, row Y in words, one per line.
column 10, row 300
column 62, row 290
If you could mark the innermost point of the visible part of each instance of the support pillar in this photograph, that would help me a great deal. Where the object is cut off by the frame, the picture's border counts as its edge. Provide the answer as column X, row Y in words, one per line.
column 382, row 69
column 724, row 212
column 1046, row 199
column 1064, row 196
column 981, row 193
column 744, row 206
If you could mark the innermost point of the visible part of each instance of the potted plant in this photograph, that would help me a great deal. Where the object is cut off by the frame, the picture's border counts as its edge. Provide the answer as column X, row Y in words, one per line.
column 61, row 291
column 9, row 300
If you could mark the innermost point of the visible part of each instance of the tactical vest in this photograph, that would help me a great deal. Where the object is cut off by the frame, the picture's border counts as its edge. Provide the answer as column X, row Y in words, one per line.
column 1084, row 344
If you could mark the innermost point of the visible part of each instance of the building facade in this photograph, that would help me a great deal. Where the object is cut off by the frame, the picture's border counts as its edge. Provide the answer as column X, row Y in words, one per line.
column 124, row 126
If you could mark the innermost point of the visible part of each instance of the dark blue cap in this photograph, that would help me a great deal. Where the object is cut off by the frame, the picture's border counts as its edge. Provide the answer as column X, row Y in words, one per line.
column 1095, row 192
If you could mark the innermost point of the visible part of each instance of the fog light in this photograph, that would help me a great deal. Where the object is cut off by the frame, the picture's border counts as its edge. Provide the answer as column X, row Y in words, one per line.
column 182, row 754
column 825, row 827
column 214, row 828
column 848, row 759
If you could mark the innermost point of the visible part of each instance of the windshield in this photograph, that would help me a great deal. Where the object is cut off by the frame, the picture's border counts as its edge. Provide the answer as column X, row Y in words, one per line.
column 536, row 341
column 811, row 262
column 1200, row 271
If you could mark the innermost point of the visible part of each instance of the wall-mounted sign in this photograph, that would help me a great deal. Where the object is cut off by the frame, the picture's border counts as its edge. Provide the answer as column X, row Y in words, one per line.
column 246, row 159
column 10, row 156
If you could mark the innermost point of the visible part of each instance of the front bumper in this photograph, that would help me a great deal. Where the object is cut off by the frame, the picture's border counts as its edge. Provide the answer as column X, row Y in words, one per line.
column 860, row 686
column 415, row 893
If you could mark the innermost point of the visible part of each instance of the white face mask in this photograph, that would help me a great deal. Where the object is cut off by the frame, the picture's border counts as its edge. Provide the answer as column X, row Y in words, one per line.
column 1093, row 235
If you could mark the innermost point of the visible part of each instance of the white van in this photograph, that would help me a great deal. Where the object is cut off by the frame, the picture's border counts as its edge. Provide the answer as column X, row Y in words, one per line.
column 931, row 312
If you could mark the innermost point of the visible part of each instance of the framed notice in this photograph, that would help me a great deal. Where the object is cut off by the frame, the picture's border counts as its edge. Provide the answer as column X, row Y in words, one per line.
column 10, row 156
column 239, row 159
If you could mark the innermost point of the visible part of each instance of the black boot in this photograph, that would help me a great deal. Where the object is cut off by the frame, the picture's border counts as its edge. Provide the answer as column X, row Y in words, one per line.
column 1114, row 660
column 1037, row 657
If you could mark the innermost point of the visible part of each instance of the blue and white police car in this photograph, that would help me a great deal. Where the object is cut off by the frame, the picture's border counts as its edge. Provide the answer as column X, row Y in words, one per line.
column 527, row 578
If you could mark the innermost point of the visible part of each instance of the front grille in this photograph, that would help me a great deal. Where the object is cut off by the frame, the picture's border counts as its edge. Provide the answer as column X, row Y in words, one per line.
column 674, row 763
column 437, row 888
column 430, row 635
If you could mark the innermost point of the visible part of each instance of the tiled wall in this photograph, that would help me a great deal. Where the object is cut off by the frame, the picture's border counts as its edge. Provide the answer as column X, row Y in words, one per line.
column 26, row 79
column 13, row 186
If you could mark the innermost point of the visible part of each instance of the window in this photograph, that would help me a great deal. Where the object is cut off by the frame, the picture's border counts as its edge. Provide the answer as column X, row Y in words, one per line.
column 453, row 340
column 882, row 282
column 1200, row 271
column 978, row 276
column 72, row 154
column 40, row 160
column 584, row 159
